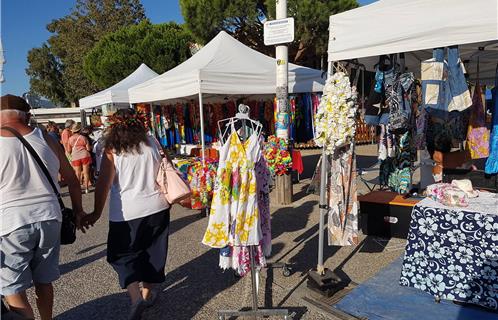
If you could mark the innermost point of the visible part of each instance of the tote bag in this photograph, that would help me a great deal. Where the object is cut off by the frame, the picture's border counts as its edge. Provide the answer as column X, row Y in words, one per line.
column 172, row 185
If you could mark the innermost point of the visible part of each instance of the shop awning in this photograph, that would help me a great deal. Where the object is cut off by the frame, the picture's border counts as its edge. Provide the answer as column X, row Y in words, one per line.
column 118, row 93
column 415, row 27
column 224, row 66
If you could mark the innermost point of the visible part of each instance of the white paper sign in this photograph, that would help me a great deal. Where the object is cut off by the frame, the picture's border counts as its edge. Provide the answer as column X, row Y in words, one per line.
column 279, row 31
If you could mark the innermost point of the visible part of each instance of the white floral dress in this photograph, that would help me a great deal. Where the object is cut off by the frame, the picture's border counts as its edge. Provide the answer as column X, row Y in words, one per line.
column 234, row 216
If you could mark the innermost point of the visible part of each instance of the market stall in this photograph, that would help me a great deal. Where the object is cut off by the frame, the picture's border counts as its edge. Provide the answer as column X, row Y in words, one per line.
column 118, row 93
column 224, row 69
column 415, row 91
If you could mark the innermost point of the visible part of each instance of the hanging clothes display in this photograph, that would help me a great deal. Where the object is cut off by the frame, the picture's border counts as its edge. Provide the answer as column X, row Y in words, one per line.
column 343, row 202
column 240, row 213
column 492, row 162
column 335, row 122
column 478, row 134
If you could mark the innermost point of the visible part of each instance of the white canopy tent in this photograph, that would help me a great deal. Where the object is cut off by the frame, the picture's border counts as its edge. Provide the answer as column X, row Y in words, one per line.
column 415, row 27
column 223, row 67
column 118, row 93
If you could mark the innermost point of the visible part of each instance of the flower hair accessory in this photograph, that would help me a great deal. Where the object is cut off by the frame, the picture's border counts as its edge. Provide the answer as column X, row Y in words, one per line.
column 131, row 119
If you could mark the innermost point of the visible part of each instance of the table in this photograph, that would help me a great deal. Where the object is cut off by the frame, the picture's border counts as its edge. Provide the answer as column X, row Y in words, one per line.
column 386, row 213
column 452, row 253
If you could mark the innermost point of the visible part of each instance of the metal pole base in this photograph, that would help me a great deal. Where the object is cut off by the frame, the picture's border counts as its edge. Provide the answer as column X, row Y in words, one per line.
column 325, row 284
column 223, row 314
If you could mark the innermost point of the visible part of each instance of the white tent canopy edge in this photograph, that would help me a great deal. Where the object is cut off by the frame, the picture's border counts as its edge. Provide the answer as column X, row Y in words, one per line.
column 118, row 93
column 416, row 27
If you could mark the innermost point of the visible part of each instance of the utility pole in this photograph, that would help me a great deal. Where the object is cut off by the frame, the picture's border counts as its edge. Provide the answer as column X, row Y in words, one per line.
column 283, row 183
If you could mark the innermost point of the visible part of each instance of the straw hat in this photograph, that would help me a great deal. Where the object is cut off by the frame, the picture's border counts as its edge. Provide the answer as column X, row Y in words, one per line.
column 76, row 127
column 466, row 186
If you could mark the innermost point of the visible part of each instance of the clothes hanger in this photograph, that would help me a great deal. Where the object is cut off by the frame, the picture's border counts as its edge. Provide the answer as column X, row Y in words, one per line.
column 242, row 115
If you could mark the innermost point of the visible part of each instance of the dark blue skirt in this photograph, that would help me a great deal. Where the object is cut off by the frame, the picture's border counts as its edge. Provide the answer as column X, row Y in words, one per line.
column 137, row 249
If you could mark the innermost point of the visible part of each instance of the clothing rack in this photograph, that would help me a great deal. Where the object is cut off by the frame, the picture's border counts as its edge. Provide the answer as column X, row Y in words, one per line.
column 255, row 312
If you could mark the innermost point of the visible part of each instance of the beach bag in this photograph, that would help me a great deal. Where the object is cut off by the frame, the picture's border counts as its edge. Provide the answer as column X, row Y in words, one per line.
column 435, row 89
column 478, row 133
column 399, row 116
column 174, row 188
column 460, row 94
column 68, row 226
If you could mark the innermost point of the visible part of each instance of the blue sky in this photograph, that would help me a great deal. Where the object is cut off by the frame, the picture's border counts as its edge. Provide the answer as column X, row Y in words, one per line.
column 23, row 27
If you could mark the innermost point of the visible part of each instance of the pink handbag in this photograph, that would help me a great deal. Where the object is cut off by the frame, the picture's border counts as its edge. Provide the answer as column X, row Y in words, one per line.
column 172, row 185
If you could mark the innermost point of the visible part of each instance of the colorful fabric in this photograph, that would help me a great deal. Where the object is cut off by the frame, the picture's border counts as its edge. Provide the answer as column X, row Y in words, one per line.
column 492, row 162
column 263, row 189
column 478, row 133
column 234, row 216
column 342, row 199
column 201, row 179
column 448, row 195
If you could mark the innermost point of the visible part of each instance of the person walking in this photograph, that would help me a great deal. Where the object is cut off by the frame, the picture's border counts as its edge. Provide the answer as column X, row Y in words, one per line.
column 65, row 135
column 30, row 214
column 137, row 242
column 53, row 130
column 81, row 159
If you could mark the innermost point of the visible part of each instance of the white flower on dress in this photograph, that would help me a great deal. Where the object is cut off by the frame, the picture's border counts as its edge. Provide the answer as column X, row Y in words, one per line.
column 420, row 258
column 493, row 290
column 436, row 250
column 453, row 216
column 464, row 255
column 488, row 273
column 436, row 283
column 427, row 226
column 419, row 282
column 463, row 290
column 456, row 236
column 456, row 272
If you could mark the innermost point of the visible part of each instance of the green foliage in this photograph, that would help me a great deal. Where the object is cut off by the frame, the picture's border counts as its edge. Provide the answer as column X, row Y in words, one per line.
column 242, row 19
column 45, row 74
column 75, row 34
column 160, row 46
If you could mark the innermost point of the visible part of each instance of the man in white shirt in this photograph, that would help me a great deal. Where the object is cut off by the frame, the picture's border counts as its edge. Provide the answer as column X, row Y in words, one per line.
column 30, row 215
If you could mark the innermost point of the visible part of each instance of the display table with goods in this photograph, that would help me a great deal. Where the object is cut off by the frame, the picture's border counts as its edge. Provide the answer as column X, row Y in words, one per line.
column 452, row 252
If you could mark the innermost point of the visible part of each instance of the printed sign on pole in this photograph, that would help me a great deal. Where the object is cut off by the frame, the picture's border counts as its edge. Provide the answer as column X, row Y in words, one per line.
column 279, row 31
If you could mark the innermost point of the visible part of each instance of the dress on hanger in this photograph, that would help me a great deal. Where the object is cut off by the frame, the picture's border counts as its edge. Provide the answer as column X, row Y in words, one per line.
column 343, row 202
column 234, row 216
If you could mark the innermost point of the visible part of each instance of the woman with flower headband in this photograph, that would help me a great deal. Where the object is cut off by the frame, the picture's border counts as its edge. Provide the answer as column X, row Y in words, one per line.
column 138, row 212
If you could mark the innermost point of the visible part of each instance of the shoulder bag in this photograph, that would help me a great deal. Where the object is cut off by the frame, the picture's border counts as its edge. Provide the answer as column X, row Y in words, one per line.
column 68, row 226
column 172, row 185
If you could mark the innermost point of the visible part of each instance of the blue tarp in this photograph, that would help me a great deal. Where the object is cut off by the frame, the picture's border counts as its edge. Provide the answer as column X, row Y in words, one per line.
column 382, row 298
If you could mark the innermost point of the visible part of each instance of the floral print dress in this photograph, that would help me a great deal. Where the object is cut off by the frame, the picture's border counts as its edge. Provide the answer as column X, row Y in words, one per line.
column 234, row 215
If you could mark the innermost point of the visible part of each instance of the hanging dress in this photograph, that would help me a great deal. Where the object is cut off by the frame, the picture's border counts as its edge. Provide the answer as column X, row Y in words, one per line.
column 492, row 162
column 234, row 216
column 343, row 202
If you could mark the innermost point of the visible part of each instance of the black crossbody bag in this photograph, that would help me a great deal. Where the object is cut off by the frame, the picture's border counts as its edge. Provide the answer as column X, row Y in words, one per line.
column 68, row 226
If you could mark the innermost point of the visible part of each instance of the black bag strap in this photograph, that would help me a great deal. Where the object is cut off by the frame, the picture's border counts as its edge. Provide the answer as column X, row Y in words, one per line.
column 42, row 166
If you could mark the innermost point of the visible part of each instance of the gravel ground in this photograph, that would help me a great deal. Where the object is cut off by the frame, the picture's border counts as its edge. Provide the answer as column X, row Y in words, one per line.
column 196, row 288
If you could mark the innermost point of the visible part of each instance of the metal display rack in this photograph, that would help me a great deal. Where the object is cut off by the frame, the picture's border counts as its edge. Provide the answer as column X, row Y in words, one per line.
column 255, row 312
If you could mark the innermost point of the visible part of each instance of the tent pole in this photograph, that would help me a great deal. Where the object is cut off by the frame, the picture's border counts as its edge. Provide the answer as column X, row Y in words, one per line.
column 323, row 198
column 201, row 111
column 323, row 280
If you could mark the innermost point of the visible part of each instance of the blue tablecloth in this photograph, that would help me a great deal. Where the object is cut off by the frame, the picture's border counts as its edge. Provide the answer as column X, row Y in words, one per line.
column 452, row 253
